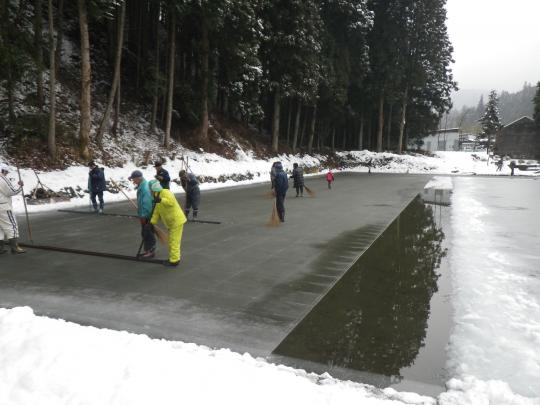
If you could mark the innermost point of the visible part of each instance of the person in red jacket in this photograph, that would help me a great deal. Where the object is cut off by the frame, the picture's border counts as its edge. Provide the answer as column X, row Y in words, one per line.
column 329, row 178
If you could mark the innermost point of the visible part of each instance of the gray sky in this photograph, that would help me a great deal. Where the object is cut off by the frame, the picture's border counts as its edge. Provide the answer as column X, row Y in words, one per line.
column 496, row 43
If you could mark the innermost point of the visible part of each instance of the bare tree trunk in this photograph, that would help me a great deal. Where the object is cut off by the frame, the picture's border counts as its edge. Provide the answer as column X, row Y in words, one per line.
column 38, row 32
column 52, row 87
column 118, row 102
column 289, row 117
column 344, row 143
column 312, row 128
column 172, row 39
column 86, row 81
column 203, row 132
column 361, row 133
column 156, row 79
column 118, row 59
column 402, row 122
column 333, row 139
column 275, row 120
column 59, row 35
column 297, row 124
column 389, row 127
column 381, row 123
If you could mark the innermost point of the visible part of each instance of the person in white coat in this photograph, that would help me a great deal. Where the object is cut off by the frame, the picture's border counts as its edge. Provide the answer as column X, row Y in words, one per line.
column 8, row 224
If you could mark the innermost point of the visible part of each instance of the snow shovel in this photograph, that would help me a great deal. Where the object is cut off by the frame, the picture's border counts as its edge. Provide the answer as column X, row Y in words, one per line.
column 274, row 218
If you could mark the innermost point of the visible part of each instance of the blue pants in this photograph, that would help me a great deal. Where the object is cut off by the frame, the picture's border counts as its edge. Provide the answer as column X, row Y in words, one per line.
column 93, row 195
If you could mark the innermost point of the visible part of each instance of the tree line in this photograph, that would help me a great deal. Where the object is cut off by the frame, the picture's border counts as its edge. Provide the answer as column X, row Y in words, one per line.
column 311, row 74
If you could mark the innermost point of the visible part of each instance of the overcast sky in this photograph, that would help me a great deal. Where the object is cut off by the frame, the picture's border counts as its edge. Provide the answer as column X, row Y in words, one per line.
column 496, row 43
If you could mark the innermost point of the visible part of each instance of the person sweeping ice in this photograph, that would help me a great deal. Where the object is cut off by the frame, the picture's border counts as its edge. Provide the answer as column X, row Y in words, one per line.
column 169, row 212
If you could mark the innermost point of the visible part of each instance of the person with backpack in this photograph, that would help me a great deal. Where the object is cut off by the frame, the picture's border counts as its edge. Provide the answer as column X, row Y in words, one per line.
column 96, row 186
column 329, row 178
column 281, row 185
column 298, row 179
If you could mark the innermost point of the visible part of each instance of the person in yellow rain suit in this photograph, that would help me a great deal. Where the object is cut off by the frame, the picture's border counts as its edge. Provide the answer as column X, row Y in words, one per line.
column 168, row 210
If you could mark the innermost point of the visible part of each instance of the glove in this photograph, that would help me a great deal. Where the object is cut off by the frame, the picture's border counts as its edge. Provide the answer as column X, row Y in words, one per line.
column 157, row 200
column 160, row 178
column 143, row 220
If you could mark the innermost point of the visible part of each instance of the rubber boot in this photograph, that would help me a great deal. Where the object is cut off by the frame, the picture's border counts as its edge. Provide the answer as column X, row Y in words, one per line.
column 2, row 247
column 15, row 248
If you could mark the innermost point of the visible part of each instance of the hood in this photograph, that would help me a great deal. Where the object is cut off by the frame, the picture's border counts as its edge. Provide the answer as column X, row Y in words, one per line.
column 278, row 166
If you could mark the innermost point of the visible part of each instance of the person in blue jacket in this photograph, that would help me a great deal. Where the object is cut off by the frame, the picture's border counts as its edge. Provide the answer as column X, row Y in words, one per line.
column 281, row 185
column 162, row 175
column 145, row 208
column 96, row 185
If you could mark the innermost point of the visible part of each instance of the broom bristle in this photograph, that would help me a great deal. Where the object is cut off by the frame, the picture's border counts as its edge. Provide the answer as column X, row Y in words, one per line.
column 161, row 235
column 274, row 219
column 309, row 191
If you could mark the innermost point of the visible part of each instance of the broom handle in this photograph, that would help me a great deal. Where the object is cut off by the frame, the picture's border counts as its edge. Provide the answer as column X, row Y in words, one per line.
column 122, row 191
column 25, row 207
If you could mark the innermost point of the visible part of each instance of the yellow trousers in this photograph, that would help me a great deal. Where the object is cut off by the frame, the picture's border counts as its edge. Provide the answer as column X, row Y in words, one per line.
column 175, row 242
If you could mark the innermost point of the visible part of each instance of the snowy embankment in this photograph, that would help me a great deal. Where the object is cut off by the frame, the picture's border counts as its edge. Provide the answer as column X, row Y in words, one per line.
column 45, row 361
column 494, row 345
column 246, row 169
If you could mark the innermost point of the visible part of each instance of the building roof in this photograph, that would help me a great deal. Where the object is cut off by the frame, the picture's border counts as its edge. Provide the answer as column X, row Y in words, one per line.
column 520, row 120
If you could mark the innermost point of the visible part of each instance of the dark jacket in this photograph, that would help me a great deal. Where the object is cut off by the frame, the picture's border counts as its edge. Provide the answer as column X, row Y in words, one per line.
column 96, row 180
column 190, row 184
column 281, row 182
column 163, row 177
column 298, row 177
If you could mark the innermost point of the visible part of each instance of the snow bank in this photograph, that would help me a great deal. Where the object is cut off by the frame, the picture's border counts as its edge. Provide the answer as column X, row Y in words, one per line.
column 439, row 183
column 45, row 361
column 253, row 170
column 496, row 303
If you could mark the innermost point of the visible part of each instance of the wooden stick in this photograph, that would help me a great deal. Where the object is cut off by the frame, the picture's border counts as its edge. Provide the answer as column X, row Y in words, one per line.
column 25, row 207
column 123, row 192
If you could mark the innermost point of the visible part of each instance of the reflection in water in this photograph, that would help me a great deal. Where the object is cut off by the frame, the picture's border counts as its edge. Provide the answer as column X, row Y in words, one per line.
column 375, row 318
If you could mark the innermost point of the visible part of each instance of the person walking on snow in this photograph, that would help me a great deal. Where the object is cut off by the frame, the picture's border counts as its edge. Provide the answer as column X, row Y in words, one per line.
column 8, row 224
column 96, row 186
column 281, row 185
column 162, row 175
column 298, row 178
column 145, row 205
column 168, row 210
column 190, row 184
column 329, row 178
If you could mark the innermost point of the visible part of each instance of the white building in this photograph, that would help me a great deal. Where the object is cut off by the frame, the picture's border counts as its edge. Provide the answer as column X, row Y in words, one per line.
column 451, row 139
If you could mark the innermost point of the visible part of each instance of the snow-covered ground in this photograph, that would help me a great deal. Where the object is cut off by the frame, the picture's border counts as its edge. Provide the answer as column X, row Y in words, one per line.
column 246, row 169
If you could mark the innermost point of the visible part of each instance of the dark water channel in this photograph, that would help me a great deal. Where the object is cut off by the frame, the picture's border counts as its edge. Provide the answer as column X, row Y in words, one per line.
column 387, row 321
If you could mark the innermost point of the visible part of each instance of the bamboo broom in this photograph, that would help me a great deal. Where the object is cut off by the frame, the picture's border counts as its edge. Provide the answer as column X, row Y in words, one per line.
column 274, row 218
column 309, row 191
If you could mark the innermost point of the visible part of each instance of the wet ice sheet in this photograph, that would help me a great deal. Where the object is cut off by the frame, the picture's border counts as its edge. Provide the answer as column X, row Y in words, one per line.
column 496, row 277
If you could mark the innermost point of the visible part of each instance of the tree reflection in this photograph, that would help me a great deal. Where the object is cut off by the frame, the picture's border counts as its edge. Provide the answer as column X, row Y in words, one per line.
column 375, row 318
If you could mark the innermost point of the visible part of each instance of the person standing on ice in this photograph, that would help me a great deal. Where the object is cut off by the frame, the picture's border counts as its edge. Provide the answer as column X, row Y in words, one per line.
column 96, row 185
column 298, row 178
column 190, row 184
column 168, row 210
column 8, row 224
column 329, row 178
column 145, row 206
column 281, row 185
column 273, row 174
column 162, row 175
